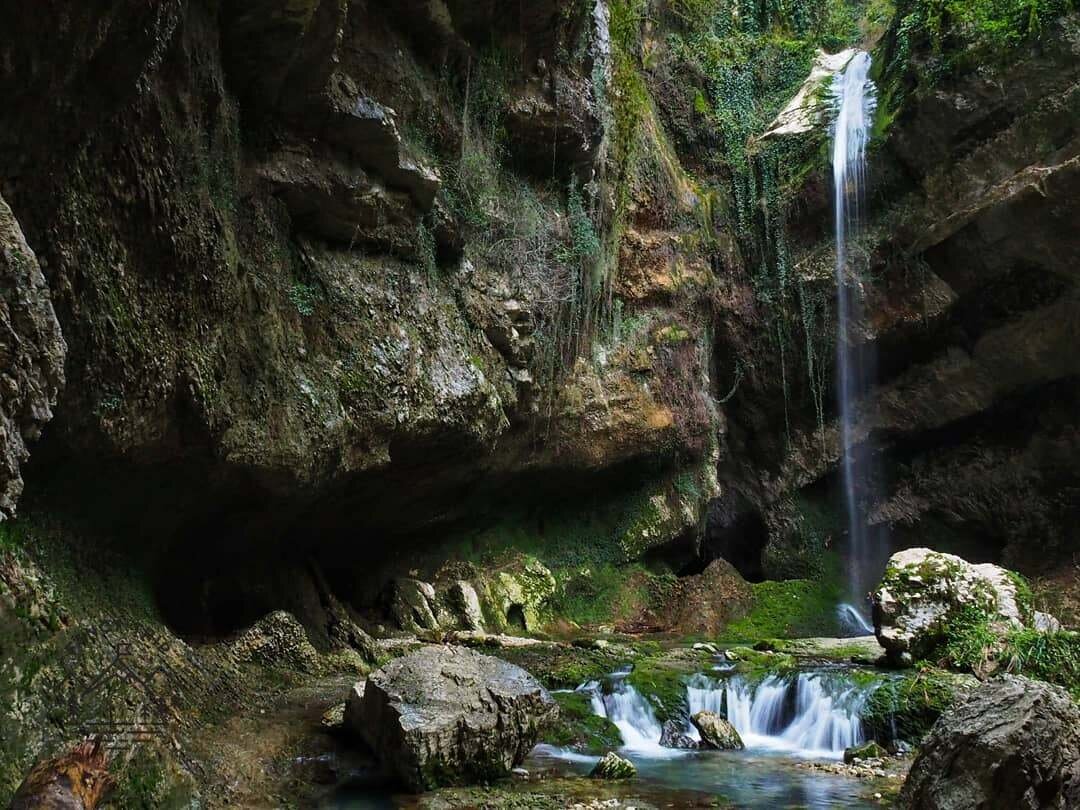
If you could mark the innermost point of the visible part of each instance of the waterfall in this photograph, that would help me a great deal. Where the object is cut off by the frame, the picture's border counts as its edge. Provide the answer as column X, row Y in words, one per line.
column 810, row 714
column 632, row 714
column 853, row 92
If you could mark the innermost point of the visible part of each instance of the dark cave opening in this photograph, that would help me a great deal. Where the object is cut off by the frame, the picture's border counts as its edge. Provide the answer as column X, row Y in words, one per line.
column 515, row 617
column 735, row 531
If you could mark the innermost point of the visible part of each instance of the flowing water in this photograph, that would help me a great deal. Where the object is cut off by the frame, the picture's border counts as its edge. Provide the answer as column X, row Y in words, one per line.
column 853, row 91
column 782, row 720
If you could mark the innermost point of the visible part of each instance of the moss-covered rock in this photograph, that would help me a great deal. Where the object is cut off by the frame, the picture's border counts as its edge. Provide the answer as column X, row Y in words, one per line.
column 579, row 728
column 905, row 707
column 716, row 732
column 612, row 766
column 927, row 599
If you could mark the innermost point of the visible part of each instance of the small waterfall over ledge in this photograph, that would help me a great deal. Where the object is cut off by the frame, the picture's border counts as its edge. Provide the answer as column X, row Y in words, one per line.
column 811, row 714
column 854, row 95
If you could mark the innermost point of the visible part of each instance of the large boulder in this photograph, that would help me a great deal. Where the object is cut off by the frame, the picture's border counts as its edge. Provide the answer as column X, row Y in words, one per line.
column 449, row 715
column 705, row 603
column 1014, row 744
column 716, row 732
column 922, row 590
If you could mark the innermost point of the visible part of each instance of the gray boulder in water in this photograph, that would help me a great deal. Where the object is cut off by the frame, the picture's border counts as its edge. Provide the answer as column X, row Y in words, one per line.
column 1014, row 745
column 673, row 735
column 716, row 732
column 449, row 716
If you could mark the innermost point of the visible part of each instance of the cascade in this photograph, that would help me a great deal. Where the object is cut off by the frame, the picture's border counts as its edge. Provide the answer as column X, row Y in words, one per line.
column 853, row 92
column 811, row 714
column 631, row 713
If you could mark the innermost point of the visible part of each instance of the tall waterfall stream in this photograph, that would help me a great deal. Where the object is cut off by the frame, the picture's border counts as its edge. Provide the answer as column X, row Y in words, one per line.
column 854, row 96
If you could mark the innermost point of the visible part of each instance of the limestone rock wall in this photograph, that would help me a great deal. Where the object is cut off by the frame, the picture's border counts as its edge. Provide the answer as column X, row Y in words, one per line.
column 33, row 352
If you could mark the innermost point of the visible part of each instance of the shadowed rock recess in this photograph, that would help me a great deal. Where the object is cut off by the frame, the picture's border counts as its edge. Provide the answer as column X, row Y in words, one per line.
column 330, row 328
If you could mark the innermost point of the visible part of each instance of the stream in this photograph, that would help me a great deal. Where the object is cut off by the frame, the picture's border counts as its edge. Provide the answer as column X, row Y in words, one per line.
column 782, row 719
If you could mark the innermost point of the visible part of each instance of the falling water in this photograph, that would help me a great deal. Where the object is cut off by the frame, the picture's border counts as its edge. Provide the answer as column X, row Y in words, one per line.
column 854, row 95
column 632, row 714
column 813, row 714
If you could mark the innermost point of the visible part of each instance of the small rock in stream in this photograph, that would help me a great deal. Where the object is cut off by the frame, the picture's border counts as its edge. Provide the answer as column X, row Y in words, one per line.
column 612, row 766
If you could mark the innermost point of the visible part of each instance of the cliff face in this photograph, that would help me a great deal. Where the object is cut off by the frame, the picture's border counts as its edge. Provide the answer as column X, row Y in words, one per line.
column 355, row 262
column 971, row 268
column 412, row 274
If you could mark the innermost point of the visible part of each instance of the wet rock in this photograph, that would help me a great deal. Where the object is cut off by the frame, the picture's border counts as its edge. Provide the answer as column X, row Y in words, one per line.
column 555, row 118
column 32, row 352
column 921, row 589
column 449, row 715
column 867, row 750
column 282, row 51
column 673, row 735
column 1045, row 623
column 612, row 766
column 1014, row 744
column 716, row 732
column 806, row 109
column 335, row 198
column 520, row 593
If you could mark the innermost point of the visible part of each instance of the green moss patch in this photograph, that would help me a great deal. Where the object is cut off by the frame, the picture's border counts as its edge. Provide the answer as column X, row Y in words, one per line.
column 663, row 682
column 579, row 728
column 793, row 608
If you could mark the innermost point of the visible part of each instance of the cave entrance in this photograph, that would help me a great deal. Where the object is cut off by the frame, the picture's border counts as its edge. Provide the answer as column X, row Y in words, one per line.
column 736, row 531
column 515, row 617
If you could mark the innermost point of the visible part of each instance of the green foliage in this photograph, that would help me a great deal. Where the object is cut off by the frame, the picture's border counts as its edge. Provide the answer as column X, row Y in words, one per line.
column 954, row 36
column 1025, row 597
column 966, row 32
column 967, row 640
column 746, row 62
column 906, row 707
column 605, row 593
column 144, row 783
column 663, row 683
column 1052, row 657
column 303, row 297
column 425, row 248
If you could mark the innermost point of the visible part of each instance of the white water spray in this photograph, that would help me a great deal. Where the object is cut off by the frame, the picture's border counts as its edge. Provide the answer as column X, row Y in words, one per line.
column 632, row 714
column 810, row 714
column 853, row 91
